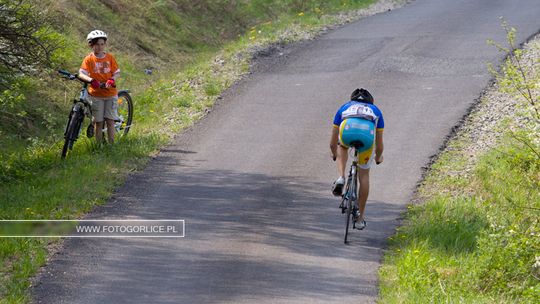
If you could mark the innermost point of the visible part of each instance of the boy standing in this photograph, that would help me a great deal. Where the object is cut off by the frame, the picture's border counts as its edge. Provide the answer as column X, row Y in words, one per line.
column 100, row 69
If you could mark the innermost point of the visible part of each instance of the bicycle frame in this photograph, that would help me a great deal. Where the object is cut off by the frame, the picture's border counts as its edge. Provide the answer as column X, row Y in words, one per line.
column 350, row 178
column 349, row 200
column 353, row 177
column 83, row 98
column 81, row 105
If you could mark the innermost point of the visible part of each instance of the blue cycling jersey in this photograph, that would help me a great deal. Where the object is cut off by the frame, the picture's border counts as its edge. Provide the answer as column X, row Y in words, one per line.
column 359, row 109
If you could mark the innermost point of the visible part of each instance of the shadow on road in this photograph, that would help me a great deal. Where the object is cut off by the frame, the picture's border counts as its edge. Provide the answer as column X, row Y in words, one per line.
column 247, row 235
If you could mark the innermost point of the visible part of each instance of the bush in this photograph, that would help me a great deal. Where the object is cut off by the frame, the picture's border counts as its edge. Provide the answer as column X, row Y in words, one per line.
column 26, row 40
column 509, row 249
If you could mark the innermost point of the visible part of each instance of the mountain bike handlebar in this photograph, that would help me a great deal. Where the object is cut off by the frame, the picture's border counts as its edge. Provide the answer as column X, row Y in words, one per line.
column 70, row 76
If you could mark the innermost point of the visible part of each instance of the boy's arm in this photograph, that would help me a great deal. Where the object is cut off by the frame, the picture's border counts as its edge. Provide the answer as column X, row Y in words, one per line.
column 115, row 68
column 83, row 76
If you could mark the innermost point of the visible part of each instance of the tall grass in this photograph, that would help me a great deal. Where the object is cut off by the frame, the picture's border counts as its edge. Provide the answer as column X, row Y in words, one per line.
column 480, row 248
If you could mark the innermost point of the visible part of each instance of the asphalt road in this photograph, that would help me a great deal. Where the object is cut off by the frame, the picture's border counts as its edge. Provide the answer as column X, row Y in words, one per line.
column 252, row 179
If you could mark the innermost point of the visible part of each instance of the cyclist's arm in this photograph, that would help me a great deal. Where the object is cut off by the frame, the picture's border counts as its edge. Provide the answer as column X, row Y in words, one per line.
column 334, row 141
column 379, row 146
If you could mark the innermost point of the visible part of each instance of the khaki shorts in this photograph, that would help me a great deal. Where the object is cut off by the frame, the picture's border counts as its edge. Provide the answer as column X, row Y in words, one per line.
column 104, row 108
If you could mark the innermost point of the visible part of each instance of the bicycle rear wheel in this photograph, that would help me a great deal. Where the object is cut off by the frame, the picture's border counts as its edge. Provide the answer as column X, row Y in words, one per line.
column 125, row 113
column 72, row 131
column 351, row 199
column 347, row 218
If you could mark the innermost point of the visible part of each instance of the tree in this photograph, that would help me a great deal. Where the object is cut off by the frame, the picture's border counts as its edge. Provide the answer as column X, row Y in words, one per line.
column 24, row 43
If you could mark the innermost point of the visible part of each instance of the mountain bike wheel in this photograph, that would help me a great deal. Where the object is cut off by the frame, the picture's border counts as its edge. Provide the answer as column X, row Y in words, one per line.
column 125, row 112
column 72, row 131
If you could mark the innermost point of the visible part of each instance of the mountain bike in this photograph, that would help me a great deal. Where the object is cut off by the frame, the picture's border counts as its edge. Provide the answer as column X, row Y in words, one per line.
column 82, row 107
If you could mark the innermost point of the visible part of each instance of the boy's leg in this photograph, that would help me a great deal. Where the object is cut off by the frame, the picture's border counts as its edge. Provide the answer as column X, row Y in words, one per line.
column 98, row 111
column 110, row 130
column 109, row 117
column 98, row 131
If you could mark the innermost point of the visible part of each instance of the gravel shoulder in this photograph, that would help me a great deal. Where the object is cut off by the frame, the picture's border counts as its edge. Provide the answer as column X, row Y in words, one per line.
column 480, row 131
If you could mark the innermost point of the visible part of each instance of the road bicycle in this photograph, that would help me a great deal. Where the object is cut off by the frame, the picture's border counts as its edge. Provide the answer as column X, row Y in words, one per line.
column 82, row 107
column 349, row 201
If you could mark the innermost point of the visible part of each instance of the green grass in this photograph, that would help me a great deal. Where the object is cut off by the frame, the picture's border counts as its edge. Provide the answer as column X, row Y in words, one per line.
column 194, row 61
column 476, row 238
column 478, row 248
column 41, row 187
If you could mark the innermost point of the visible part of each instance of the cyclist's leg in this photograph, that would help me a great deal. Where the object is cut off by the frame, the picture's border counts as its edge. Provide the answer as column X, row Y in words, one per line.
column 363, row 190
column 342, row 157
column 365, row 159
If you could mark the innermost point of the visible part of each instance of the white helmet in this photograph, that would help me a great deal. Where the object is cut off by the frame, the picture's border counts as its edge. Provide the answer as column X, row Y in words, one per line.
column 96, row 34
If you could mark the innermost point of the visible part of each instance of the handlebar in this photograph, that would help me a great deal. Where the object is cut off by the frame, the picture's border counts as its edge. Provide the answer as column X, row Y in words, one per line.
column 70, row 76
column 65, row 73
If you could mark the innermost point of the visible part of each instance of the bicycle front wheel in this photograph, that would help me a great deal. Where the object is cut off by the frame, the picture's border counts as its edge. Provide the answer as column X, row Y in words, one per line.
column 125, row 113
column 72, row 131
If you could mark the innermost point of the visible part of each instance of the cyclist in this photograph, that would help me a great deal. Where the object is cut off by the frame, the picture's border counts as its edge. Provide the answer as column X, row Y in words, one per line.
column 357, row 123
column 97, row 68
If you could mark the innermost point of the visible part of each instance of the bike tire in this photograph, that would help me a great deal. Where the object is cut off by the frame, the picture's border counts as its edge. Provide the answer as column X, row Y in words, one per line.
column 125, row 109
column 351, row 201
column 72, row 131
column 347, row 219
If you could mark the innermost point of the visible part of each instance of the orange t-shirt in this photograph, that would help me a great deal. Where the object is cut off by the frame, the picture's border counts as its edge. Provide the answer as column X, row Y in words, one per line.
column 100, row 69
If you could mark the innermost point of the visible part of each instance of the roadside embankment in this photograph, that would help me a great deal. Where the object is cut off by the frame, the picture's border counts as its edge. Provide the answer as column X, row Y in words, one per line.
column 472, row 235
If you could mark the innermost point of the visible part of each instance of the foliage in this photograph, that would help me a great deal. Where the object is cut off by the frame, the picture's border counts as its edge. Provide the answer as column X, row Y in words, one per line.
column 509, row 249
column 26, row 40
column 520, row 77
